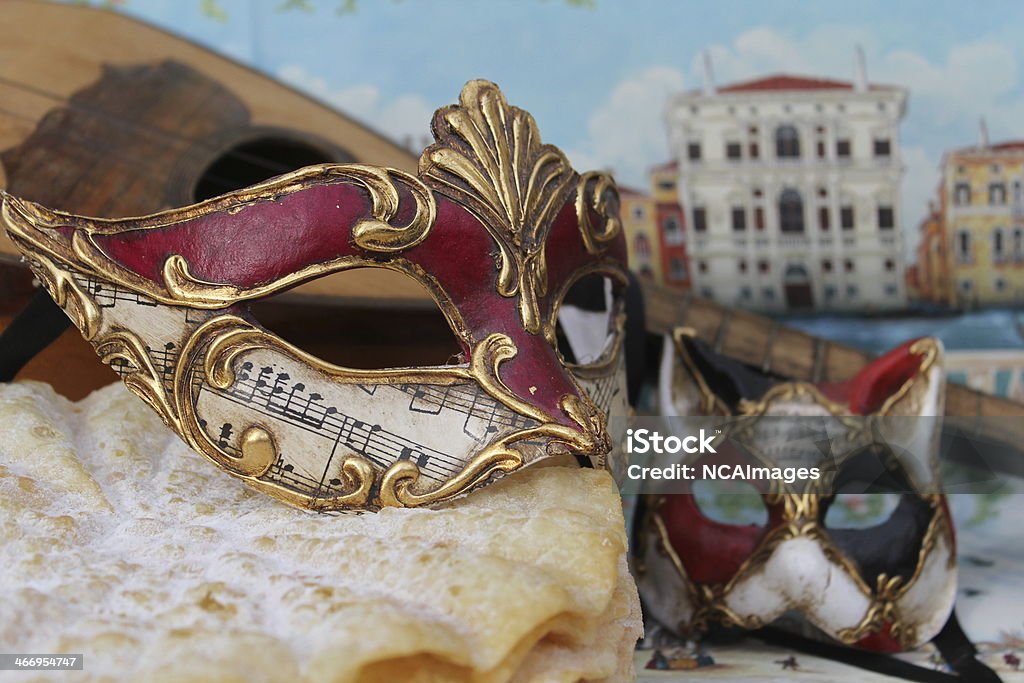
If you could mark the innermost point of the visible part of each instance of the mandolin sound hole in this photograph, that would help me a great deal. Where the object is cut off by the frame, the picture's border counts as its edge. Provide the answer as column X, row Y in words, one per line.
column 253, row 161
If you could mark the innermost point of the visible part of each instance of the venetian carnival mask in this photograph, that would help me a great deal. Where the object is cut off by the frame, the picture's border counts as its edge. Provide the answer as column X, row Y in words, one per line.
column 497, row 227
column 882, row 587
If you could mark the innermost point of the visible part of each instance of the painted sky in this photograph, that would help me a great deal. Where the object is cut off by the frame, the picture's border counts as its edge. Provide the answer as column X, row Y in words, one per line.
column 596, row 76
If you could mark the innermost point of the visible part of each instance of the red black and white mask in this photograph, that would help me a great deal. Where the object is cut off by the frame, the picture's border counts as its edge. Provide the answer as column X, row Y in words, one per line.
column 497, row 227
column 883, row 587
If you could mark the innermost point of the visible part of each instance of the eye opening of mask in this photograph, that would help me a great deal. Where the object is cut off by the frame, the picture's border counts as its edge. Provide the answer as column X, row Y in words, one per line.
column 730, row 501
column 586, row 329
column 867, row 489
column 361, row 333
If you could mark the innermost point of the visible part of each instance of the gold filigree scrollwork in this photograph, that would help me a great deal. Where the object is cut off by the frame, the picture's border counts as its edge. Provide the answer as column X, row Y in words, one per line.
column 210, row 352
column 139, row 374
column 31, row 225
column 489, row 157
column 217, row 345
column 597, row 191
column 398, row 482
column 375, row 234
column 68, row 294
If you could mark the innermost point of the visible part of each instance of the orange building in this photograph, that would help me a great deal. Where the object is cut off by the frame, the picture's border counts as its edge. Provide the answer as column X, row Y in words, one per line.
column 932, row 269
column 671, row 225
column 654, row 225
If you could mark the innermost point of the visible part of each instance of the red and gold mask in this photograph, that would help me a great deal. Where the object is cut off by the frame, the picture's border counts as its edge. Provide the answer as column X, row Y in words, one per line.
column 497, row 227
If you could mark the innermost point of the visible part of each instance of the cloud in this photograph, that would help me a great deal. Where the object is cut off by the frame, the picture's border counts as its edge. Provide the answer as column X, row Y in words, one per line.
column 405, row 119
column 626, row 133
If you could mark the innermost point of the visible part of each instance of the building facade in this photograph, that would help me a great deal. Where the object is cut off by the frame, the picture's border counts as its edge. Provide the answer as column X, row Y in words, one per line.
column 791, row 187
column 655, row 228
column 643, row 243
column 671, row 224
column 982, row 204
column 932, row 260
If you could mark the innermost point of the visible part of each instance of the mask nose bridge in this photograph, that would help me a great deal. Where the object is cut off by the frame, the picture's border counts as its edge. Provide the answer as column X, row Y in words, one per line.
column 564, row 400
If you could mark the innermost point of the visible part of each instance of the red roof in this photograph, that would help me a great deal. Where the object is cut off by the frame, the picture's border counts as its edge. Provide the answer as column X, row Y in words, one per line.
column 667, row 166
column 627, row 191
column 790, row 82
column 1009, row 146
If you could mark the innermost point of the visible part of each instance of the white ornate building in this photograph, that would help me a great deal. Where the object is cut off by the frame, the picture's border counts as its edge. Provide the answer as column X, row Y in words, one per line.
column 792, row 191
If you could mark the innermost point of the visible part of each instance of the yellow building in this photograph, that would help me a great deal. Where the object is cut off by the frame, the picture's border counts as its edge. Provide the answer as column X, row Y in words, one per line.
column 641, row 228
column 982, row 208
column 932, row 267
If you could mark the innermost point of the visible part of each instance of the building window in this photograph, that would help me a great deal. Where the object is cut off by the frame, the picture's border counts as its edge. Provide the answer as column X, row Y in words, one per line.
column 830, row 292
column 668, row 185
column 1000, row 284
column 677, row 268
column 848, row 265
column 843, row 149
column 693, row 151
column 700, row 219
column 759, row 217
column 826, row 265
column 702, row 266
column 755, row 150
column 998, row 245
column 846, row 217
column 962, row 194
column 742, row 265
column 646, row 272
column 768, row 293
column 642, row 246
column 672, row 230
column 851, row 291
column 966, row 286
column 883, row 148
column 733, row 151
column 745, row 294
column 791, row 211
column 886, row 221
column 787, row 142
column 963, row 246
column 1018, row 243
column 739, row 218
column 890, row 265
column 891, row 289
column 763, row 266
column 707, row 293
column 997, row 194
column 639, row 213
column 821, row 149
column 823, row 214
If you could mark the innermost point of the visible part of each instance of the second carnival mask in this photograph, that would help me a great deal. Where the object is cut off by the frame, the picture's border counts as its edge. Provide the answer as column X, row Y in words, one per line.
column 497, row 227
column 885, row 586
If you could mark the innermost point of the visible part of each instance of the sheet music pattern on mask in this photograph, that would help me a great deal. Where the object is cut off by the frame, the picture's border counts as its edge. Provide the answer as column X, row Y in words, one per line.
column 272, row 391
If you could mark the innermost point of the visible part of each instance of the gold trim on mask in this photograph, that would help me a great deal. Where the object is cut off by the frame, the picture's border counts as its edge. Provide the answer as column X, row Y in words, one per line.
column 709, row 602
column 489, row 158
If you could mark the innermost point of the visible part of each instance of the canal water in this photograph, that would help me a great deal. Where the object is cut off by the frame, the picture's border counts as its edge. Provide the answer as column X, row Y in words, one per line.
column 976, row 330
